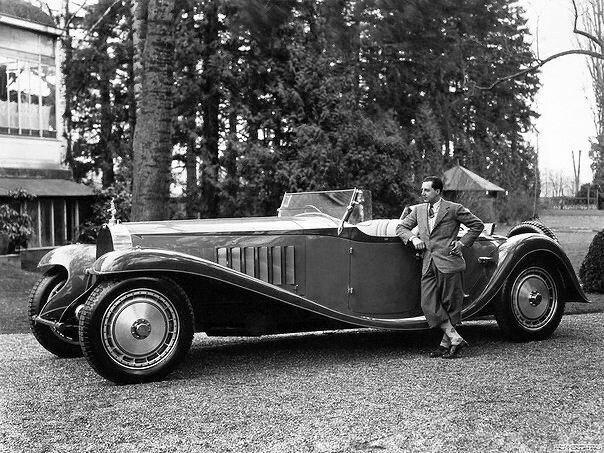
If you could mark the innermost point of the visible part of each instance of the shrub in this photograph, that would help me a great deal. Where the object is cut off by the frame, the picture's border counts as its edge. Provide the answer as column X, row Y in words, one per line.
column 516, row 207
column 592, row 268
column 15, row 223
column 122, row 199
column 479, row 205
column 513, row 208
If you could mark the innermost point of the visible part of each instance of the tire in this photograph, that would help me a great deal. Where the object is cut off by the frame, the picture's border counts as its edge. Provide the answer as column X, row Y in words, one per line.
column 529, row 308
column 136, row 330
column 61, row 344
column 532, row 226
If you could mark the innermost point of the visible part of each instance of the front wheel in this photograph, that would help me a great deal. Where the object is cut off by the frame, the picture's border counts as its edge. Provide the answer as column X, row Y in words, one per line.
column 60, row 343
column 136, row 330
column 530, row 307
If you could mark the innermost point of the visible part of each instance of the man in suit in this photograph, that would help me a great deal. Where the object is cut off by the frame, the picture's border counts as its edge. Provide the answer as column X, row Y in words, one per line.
column 438, row 223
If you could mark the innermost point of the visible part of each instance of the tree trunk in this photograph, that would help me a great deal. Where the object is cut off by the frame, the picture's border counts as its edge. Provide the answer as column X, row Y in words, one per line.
column 210, row 111
column 67, row 43
column 152, row 136
column 230, row 154
column 192, row 193
column 105, row 145
column 131, row 81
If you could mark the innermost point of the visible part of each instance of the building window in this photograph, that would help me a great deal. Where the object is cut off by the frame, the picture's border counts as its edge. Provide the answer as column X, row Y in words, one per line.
column 28, row 83
column 27, row 98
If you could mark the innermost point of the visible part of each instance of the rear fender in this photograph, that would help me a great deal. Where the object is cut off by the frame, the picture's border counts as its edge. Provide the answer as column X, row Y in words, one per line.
column 519, row 250
column 73, row 260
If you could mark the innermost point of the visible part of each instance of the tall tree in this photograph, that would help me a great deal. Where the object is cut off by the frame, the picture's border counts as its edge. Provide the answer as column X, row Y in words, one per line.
column 210, row 112
column 98, row 92
column 593, row 21
column 275, row 96
column 188, row 97
column 154, row 47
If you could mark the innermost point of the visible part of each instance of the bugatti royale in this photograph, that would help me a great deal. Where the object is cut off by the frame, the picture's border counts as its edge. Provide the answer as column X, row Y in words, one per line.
column 132, row 303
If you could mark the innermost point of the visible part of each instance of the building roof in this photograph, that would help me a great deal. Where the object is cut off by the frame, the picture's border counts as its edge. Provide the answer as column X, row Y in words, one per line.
column 26, row 11
column 461, row 179
column 45, row 187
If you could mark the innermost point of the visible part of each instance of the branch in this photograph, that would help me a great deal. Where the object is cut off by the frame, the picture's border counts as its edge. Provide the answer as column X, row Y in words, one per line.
column 589, row 36
column 73, row 16
column 91, row 29
column 540, row 63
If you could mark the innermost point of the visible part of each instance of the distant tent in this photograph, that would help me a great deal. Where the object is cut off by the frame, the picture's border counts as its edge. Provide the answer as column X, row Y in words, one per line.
column 471, row 190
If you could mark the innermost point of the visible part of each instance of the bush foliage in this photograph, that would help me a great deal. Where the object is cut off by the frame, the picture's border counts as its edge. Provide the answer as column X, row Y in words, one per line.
column 101, row 212
column 15, row 223
column 592, row 268
column 516, row 207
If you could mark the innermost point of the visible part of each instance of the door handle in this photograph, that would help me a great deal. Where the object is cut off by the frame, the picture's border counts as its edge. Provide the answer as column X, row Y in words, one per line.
column 486, row 260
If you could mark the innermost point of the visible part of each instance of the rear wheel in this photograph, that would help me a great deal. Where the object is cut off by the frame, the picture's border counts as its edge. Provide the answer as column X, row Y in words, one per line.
column 136, row 330
column 530, row 308
column 61, row 344
column 532, row 226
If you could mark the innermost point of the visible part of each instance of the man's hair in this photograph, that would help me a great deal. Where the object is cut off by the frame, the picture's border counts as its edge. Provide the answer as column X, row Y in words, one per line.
column 437, row 183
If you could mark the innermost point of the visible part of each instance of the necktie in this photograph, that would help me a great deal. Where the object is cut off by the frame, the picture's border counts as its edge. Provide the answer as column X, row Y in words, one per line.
column 431, row 212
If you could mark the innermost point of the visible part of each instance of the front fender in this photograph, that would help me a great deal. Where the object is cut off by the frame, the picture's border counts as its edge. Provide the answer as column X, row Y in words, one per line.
column 529, row 247
column 73, row 260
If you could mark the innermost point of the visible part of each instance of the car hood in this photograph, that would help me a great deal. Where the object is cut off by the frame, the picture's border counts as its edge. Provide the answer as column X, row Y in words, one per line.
column 117, row 236
column 232, row 225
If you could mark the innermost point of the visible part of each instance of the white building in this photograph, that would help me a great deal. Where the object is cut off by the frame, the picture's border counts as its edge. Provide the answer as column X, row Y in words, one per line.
column 32, row 149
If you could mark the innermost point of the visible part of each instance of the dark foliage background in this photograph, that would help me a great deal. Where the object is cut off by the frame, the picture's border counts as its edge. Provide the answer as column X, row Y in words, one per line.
column 592, row 268
column 310, row 95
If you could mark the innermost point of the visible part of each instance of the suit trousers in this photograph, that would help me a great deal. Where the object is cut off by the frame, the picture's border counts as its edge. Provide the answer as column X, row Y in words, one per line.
column 442, row 296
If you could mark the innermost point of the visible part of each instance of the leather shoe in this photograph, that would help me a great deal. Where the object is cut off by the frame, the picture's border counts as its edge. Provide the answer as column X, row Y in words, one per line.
column 454, row 351
column 439, row 352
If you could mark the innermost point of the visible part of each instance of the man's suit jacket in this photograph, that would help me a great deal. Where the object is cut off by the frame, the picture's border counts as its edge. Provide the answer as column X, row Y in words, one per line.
column 446, row 227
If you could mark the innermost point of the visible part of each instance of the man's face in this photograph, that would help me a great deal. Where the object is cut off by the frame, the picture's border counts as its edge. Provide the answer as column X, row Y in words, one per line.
column 429, row 195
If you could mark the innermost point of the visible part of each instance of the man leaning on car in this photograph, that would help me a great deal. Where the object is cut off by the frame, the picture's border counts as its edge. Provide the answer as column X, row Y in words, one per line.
column 438, row 223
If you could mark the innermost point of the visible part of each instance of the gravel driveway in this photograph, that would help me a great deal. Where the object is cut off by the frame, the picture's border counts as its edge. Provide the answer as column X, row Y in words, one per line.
column 355, row 391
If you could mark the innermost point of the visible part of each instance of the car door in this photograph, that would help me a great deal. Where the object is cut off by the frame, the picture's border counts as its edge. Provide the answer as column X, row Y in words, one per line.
column 384, row 278
column 481, row 260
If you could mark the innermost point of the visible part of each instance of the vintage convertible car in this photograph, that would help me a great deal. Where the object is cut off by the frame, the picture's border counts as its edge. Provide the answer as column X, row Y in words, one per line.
column 132, row 303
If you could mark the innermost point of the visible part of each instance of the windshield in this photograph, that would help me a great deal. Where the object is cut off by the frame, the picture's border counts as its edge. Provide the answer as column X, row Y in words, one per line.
column 330, row 202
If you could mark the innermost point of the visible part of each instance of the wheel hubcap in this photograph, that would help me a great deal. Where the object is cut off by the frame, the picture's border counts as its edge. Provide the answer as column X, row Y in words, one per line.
column 140, row 329
column 534, row 298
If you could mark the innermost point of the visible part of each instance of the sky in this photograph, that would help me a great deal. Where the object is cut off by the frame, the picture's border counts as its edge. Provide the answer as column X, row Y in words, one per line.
column 565, row 100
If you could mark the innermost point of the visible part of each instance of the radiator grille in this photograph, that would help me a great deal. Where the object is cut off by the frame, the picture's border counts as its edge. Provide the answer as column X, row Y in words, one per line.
column 274, row 265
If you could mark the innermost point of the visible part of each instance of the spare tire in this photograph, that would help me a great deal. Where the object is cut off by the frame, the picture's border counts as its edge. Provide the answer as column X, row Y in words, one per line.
column 532, row 226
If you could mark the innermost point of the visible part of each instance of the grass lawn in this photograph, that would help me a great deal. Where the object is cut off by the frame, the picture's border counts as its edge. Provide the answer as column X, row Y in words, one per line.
column 15, row 285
